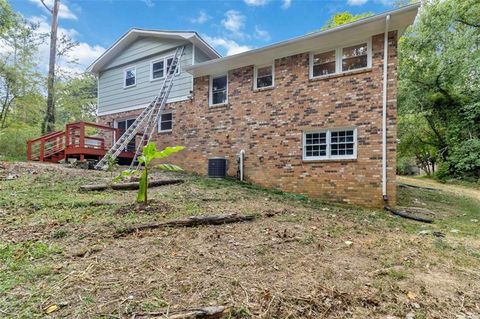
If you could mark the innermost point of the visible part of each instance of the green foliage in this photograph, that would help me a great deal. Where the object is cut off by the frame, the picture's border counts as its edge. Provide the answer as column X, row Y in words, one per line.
column 465, row 158
column 344, row 18
column 149, row 154
column 439, row 87
column 6, row 16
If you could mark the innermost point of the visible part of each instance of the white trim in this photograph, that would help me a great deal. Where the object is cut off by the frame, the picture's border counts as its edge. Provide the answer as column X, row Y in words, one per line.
column 328, row 157
column 210, row 87
column 339, row 59
column 255, row 70
column 384, row 109
column 133, row 67
column 140, row 106
column 159, row 124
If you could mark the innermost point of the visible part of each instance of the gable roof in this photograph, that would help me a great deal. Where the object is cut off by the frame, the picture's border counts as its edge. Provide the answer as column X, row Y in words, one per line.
column 133, row 34
column 321, row 40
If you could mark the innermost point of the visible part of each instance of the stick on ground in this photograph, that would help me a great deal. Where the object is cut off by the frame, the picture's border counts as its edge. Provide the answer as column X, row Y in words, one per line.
column 128, row 186
column 190, row 222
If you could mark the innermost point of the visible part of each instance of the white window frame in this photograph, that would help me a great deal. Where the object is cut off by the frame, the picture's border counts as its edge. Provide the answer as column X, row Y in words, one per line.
column 134, row 68
column 210, row 89
column 160, row 123
column 255, row 75
column 328, row 150
column 165, row 65
column 338, row 59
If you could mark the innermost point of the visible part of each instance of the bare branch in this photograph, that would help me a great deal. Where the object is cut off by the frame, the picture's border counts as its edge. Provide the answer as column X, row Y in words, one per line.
column 45, row 5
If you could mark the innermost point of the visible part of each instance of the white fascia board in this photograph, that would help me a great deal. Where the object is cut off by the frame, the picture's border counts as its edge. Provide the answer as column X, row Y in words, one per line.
column 316, row 41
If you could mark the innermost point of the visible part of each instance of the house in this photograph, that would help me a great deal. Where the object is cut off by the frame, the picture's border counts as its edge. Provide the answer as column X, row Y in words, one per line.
column 314, row 115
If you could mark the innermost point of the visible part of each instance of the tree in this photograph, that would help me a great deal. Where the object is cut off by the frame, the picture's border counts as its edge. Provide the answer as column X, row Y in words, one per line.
column 6, row 16
column 343, row 18
column 49, row 122
column 439, row 81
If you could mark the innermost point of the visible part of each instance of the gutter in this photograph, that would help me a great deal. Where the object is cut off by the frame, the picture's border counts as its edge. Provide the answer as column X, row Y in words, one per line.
column 384, row 109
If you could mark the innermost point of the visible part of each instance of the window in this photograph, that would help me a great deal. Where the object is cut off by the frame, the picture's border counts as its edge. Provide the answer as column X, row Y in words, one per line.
column 123, row 125
column 166, row 121
column 157, row 68
column 330, row 144
column 130, row 77
column 218, row 90
column 355, row 57
column 340, row 60
column 264, row 76
column 324, row 63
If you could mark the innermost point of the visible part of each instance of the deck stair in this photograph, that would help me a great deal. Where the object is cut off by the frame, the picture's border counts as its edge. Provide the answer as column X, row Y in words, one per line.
column 147, row 121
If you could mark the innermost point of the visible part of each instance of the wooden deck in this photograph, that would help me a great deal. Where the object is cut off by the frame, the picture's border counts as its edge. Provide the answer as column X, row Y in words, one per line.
column 80, row 140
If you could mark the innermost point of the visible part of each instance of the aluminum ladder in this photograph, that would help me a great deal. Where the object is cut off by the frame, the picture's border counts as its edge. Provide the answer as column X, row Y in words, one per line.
column 148, row 119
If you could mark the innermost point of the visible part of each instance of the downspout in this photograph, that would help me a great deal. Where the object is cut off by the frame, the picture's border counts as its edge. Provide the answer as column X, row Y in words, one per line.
column 384, row 109
column 242, row 155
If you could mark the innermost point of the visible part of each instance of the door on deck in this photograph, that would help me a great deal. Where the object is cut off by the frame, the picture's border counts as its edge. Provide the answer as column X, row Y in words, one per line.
column 123, row 125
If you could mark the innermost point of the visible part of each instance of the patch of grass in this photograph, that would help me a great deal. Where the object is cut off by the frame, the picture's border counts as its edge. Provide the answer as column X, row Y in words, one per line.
column 454, row 211
column 24, row 265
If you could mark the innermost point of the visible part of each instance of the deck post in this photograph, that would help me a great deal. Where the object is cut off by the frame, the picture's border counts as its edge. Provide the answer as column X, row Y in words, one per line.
column 82, row 135
column 29, row 151
column 42, row 149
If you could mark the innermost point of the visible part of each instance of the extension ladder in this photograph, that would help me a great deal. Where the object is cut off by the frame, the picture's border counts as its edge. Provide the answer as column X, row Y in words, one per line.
column 148, row 119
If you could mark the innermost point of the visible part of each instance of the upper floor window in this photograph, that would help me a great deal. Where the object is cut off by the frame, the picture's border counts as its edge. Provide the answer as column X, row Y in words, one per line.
column 330, row 144
column 166, row 121
column 340, row 60
column 324, row 63
column 130, row 78
column 355, row 57
column 263, row 76
column 159, row 67
column 218, row 90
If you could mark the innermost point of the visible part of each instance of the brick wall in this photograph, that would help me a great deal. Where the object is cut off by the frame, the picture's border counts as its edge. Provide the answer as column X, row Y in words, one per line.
column 269, row 125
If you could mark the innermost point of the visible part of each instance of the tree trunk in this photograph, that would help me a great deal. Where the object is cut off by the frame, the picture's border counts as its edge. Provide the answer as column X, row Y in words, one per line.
column 49, row 122
column 128, row 186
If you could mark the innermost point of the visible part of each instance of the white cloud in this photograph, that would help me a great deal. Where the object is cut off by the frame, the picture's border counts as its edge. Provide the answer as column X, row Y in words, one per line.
column 256, row 3
column 234, row 21
column 84, row 54
column 356, row 2
column 201, row 18
column 149, row 3
column 286, row 4
column 64, row 12
column 261, row 34
column 231, row 46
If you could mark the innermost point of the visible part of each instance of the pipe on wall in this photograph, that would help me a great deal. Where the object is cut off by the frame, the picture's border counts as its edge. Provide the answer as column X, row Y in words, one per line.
column 242, row 156
column 384, row 109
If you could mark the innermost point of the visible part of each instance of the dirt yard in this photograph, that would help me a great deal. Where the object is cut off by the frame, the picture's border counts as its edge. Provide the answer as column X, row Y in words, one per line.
column 63, row 253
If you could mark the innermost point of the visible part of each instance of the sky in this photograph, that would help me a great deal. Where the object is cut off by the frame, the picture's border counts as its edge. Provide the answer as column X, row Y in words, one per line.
column 229, row 26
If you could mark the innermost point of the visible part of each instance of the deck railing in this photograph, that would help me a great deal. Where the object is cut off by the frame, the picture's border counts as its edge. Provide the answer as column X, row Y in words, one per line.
column 79, row 135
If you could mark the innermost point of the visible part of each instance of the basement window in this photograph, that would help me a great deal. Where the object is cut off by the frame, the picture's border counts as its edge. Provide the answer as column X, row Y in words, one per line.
column 334, row 144
column 263, row 76
column 218, row 90
column 130, row 78
column 166, row 122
